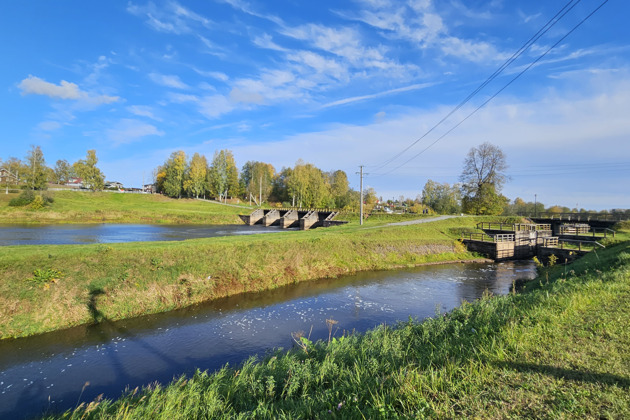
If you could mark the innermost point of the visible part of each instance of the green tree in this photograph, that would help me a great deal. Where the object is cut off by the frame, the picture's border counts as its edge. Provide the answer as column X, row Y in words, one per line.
column 442, row 198
column 486, row 201
column 62, row 171
column 257, row 179
column 307, row 186
column 86, row 169
column 223, row 175
column 174, row 169
column 196, row 181
column 36, row 174
column 483, row 177
column 339, row 187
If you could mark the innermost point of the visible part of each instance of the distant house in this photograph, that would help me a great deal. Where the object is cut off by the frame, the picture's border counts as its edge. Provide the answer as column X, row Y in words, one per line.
column 75, row 183
column 7, row 177
column 149, row 188
column 113, row 185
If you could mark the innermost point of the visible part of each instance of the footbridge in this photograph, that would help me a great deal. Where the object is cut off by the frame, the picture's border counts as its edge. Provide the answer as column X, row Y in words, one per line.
column 594, row 220
column 303, row 219
column 503, row 241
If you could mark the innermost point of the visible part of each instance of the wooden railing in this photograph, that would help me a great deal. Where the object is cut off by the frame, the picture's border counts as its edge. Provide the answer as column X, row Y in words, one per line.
column 604, row 217
column 480, row 236
column 579, row 244
column 513, row 227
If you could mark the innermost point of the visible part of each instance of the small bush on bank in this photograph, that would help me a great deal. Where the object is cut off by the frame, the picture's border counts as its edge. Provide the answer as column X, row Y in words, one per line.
column 24, row 199
column 29, row 198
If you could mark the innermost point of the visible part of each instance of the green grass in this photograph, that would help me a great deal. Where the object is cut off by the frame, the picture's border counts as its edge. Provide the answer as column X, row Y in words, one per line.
column 558, row 349
column 112, row 207
column 133, row 279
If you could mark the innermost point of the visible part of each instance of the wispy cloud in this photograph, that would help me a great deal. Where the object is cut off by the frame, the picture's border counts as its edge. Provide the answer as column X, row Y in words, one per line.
column 173, row 18
column 245, row 7
column 143, row 111
column 377, row 95
column 418, row 22
column 213, row 74
column 131, row 130
column 64, row 90
column 168, row 80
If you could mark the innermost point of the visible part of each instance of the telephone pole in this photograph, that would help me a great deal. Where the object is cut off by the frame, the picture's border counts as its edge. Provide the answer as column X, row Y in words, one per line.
column 361, row 191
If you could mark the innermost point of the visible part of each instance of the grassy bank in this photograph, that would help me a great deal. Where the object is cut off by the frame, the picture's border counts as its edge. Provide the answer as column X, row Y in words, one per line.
column 45, row 288
column 112, row 207
column 559, row 349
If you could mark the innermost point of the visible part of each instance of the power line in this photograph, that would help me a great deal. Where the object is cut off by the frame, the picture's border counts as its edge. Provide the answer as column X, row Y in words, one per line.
column 555, row 19
column 500, row 90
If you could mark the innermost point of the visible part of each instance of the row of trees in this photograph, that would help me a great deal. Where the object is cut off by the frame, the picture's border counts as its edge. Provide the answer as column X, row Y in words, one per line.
column 36, row 175
column 479, row 190
column 303, row 185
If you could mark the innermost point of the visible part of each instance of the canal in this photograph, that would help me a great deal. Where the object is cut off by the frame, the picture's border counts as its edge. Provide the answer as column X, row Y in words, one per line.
column 56, row 371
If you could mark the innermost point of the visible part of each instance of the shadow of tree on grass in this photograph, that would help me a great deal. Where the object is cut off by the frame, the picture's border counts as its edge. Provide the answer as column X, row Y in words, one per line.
column 567, row 374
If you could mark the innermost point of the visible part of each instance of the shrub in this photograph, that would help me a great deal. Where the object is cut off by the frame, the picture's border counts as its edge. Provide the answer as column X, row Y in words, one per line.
column 29, row 198
column 24, row 199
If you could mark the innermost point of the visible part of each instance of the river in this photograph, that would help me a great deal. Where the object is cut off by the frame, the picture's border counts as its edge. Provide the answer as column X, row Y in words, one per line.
column 111, row 233
column 49, row 371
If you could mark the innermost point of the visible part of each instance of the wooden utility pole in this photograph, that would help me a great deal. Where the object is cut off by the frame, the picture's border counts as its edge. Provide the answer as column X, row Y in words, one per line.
column 361, row 192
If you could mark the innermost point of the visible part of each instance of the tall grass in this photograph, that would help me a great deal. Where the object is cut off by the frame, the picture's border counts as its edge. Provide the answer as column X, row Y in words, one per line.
column 556, row 350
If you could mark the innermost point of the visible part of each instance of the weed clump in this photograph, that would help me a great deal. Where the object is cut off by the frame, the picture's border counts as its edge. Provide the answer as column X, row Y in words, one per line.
column 46, row 276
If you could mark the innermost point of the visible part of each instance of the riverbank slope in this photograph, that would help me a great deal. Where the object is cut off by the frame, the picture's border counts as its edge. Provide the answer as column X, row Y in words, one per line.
column 115, row 207
column 558, row 349
column 50, row 287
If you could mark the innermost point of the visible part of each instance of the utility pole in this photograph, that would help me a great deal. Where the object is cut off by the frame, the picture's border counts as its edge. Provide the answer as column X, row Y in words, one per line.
column 535, row 206
column 260, row 191
column 361, row 191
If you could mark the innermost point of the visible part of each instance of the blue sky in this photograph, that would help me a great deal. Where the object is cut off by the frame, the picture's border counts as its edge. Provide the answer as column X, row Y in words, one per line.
column 336, row 83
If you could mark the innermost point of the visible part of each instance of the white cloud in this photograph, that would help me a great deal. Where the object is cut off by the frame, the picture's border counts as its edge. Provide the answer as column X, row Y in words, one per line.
column 215, row 105
column 65, row 90
column 266, row 41
column 343, row 42
column 49, row 125
column 173, row 18
column 245, row 7
column 418, row 23
column 536, row 135
column 213, row 74
column 250, row 97
column 143, row 111
column 378, row 94
column 131, row 130
column 181, row 98
column 479, row 52
column 168, row 80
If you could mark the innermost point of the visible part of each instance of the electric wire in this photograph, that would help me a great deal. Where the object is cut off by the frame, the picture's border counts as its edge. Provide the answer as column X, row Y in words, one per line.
column 545, row 28
column 500, row 90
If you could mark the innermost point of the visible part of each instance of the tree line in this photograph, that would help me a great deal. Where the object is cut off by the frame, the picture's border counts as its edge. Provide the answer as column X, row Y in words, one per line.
column 479, row 189
column 36, row 175
column 303, row 185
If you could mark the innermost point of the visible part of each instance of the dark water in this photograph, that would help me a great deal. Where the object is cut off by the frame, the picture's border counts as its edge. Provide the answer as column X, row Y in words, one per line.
column 49, row 371
column 110, row 233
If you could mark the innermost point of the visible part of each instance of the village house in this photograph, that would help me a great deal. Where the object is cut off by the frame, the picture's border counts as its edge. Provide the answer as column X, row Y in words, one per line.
column 113, row 185
column 75, row 183
column 7, row 177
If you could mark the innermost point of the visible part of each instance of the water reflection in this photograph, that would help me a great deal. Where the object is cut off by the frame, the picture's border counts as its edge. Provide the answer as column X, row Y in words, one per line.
column 114, row 355
column 113, row 233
